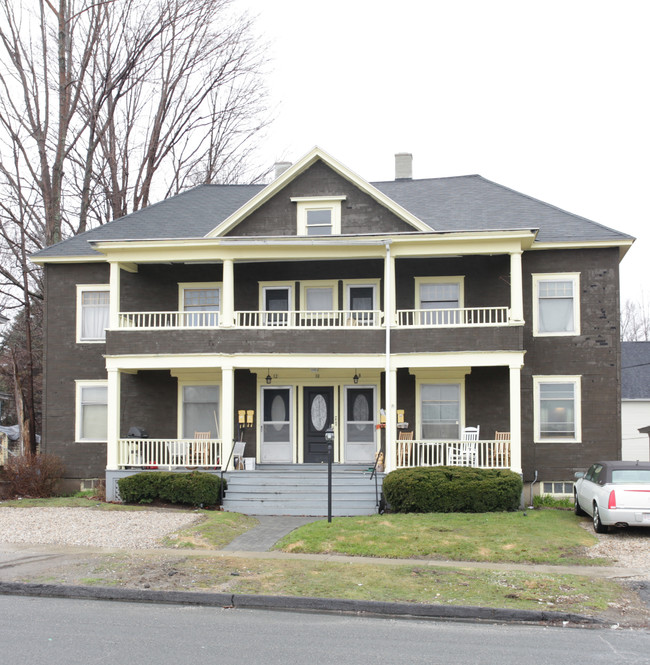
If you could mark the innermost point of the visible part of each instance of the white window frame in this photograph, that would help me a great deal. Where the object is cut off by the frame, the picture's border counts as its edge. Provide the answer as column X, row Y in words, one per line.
column 197, row 286
column 319, row 284
column 553, row 493
column 360, row 283
column 434, row 380
column 182, row 384
column 78, row 428
column 450, row 279
column 264, row 288
column 85, row 288
column 577, row 408
column 306, row 203
column 573, row 277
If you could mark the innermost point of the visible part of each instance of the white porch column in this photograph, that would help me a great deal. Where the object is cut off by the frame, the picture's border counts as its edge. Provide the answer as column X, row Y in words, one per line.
column 114, row 297
column 227, row 424
column 113, row 416
column 391, row 419
column 228, row 296
column 516, row 289
column 515, row 418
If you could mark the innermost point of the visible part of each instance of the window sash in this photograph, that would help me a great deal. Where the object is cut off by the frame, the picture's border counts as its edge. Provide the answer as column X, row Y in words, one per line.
column 319, row 298
column 557, row 410
column 200, row 410
column 93, row 420
column 95, row 314
column 440, row 410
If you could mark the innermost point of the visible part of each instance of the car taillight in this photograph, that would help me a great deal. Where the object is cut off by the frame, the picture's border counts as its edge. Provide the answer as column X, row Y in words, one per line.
column 612, row 500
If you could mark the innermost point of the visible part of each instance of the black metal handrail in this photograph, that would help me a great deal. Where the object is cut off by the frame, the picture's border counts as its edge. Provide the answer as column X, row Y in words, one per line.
column 221, row 491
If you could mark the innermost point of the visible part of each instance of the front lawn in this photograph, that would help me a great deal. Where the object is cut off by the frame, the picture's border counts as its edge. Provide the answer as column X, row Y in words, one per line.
column 538, row 536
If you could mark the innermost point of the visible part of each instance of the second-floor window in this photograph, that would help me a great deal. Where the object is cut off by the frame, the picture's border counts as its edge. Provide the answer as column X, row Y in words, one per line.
column 556, row 308
column 201, row 302
column 92, row 312
column 439, row 299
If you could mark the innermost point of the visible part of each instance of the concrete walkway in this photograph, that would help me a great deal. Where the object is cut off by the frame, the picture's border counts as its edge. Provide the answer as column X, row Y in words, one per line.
column 271, row 528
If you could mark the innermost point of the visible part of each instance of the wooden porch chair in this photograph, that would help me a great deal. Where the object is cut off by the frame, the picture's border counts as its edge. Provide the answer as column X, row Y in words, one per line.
column 501, row 453
column 405, row 449
column 201, row 448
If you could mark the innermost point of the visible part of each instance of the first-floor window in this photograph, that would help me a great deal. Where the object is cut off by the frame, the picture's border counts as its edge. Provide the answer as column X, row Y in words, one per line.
column 92, row 312
column 200, row 411
column 557, row 408
column 92, row 410
column 440, row 409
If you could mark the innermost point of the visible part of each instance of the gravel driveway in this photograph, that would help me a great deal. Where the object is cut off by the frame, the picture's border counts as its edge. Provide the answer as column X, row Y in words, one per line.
column 627, row 547
column 126, row 529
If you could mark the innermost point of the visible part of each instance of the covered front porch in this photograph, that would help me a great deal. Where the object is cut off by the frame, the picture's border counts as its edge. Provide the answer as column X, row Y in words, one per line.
column 191, row 410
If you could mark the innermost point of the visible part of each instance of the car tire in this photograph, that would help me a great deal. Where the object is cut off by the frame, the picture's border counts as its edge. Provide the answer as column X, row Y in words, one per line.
column 599, row 527
column 576, row 506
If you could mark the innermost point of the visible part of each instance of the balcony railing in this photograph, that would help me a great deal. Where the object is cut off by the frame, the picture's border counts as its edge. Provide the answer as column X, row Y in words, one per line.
column 406, row 318
column 484, row 454
column 311, row 319
column 169, row 453
column 156, row 320
column 447, row 318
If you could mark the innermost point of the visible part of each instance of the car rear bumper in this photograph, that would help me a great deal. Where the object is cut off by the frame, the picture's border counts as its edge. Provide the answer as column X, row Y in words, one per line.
column 629, row 516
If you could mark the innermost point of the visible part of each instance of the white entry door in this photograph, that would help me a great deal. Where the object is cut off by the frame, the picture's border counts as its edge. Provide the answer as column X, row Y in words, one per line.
column 277, row 428
column 360, row 432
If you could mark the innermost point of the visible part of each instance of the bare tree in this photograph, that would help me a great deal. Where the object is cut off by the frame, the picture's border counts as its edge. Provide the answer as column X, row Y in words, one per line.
column 107, row 105
column 635, row 320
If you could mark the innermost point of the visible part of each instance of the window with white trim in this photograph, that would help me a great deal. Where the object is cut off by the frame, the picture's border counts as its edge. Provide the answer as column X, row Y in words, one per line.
column 91, row 410
column 319, row 296
column 318, row 215
column 200, row 410
column 440, row 410
column 443, row 296
column 276, row 303
column 558, row 488
column 93, row 312
column 556, row 304
column 557, row 408
column 202, row 302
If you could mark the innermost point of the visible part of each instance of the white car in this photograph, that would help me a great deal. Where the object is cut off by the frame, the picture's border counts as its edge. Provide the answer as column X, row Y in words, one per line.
column 614, row 494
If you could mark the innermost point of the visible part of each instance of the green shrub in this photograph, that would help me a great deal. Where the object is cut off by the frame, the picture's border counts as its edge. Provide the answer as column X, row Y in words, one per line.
column 450, row 489
column 548, row 501
column 194, row 489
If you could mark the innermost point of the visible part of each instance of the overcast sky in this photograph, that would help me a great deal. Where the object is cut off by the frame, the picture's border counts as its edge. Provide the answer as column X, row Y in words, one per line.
column 549, row 98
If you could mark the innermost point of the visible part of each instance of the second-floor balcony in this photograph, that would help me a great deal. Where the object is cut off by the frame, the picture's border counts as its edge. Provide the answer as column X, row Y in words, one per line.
column 405, row 318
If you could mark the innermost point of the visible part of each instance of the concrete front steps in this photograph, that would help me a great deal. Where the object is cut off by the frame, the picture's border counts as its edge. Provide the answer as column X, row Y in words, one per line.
column 302, row 490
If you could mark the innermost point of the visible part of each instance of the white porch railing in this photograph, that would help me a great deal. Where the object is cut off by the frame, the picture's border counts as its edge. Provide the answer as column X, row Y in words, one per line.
column 169, row 453
column 488, row 454
column 155, row 320
column 310, row 319
column 447, row 318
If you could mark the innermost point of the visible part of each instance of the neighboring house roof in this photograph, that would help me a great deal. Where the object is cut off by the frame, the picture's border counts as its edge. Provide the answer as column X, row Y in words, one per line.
column 635, row 370
column 464, row 204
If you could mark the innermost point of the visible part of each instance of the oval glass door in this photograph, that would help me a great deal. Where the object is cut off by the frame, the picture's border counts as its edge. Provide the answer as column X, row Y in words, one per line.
column 360, row 432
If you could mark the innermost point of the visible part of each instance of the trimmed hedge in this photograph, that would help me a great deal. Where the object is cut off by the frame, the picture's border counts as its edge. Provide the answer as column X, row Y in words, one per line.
column 194, row 489
column 452, row 489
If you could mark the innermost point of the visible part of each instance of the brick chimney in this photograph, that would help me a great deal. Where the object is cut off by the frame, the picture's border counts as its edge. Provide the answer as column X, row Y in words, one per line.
column 403, row 166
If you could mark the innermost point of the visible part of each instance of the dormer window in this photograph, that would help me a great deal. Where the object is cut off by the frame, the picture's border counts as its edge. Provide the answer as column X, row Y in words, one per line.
column 318, row 215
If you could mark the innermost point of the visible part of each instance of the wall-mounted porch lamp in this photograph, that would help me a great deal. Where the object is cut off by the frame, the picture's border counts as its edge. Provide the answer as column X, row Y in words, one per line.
column 268, row 376
column 355, row 378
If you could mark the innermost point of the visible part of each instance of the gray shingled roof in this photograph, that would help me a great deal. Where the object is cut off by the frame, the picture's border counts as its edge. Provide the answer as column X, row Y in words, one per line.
column 463, row 203
column 635, row 370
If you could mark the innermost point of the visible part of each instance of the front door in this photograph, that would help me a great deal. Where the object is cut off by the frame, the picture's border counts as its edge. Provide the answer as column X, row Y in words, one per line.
column 360, row 445
column 318, row 416
column 277, row 446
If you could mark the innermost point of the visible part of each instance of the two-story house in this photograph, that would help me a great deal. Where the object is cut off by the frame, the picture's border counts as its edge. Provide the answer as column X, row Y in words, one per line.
column 397, row 313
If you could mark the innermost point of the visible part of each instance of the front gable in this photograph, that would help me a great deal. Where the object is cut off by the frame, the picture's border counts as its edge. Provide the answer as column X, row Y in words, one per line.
column 359, row 212
column 317, row 175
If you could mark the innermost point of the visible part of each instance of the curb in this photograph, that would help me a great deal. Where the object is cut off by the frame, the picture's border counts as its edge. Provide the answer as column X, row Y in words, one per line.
column 297, row 603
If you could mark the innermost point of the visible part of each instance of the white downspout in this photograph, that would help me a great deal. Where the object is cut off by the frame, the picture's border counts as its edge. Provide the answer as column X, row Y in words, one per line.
column 388, row 316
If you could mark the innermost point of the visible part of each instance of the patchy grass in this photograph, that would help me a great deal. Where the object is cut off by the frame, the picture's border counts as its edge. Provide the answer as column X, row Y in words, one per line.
column 543, row 537
column 417, row 582
column 214, row 531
